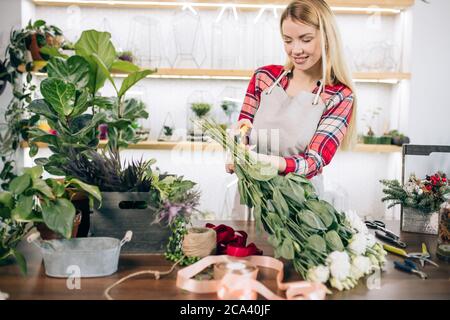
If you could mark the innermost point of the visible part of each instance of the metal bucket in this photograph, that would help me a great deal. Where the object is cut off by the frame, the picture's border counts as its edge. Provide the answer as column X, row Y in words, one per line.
column 80, row 257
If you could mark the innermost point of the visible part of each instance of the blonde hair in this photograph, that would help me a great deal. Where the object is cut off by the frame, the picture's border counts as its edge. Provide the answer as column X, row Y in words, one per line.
column 317, row 13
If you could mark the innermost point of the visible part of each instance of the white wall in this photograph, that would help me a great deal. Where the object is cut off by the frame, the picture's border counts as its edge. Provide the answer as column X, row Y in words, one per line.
column 429, row 118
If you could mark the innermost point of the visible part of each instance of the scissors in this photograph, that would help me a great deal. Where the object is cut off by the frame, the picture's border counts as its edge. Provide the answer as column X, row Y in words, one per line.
column 380, row 225
column 423, row 256
column 386, row 238
column 410, row 267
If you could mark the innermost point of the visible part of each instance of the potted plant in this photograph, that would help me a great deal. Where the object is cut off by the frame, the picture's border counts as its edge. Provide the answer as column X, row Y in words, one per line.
column 127, row 190
column 398, row 138
column 420, row 200
column 229, row 108
column 41, row 35
column 370, row 138
column 45, row 203
column 385, row 139
column 200, row 110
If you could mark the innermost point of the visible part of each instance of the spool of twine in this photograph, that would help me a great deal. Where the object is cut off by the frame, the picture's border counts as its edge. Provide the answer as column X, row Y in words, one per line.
column 199, row 242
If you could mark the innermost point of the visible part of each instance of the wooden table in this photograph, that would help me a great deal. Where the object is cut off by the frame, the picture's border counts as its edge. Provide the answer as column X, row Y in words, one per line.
column 392, row 285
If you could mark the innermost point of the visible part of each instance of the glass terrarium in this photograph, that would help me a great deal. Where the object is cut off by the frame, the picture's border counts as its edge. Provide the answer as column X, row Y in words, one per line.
column 227, row 39
column 167, row 132
column 377, row 56
column 190, row 47
column 144, row 42
column 268, row 45
column 229, row 104
column 199, row 107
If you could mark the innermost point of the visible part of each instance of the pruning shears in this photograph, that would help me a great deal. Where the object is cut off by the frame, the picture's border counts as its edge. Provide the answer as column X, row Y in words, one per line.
column 410, row 267
column 423, row 256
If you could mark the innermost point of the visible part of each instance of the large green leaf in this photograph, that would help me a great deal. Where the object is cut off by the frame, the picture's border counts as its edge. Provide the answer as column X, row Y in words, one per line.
column 81, row 103
column 34, row 172
column 95, row 121
column 287, row 249
column 317, row 243
column 333, row 240
column 41, row 186
column 59, row 94
column 74, row 70
column 6, row 199
column 99, row 43
column 20, row 184
column 23, row 211
column 89, row 189
column 322, row 210
column 124, row 66
column 59, row 215
column 41, row 107
column 132, row 79
column 311, row 220
column 262, row 172
column 104, row 70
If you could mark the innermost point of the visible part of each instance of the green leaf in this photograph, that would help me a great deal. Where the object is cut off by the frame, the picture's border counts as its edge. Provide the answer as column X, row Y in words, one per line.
column 124, row 66
column 41, row 107
column 132, row 79
column 81, row 103
column 333, row 240
column 134, row 109
column 280, row 203
column 57, row 187
column 95, row 121
column 6, row 199
column 59, row 215
column 311, row 220
column 19, row 184
column 287, row 249
column 104, row 70
column 41, row 186
column 52, row 52
column 59, row 94
column 23, row 212
column 34, row 172
column 89, row 189
column 74, row 70
column 320, row 208
column 20, row 259
column 38, row 23
column 317, row 243
column 92, row 41
column 33, row 150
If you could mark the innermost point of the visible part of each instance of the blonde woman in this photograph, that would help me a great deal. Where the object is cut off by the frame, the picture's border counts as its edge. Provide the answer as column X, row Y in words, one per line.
column 300, row 113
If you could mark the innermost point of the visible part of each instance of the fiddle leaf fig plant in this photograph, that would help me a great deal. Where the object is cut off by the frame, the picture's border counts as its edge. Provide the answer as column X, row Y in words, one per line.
column 74, row 109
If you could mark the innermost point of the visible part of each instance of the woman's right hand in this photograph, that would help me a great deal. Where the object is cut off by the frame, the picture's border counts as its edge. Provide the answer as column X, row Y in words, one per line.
column 236, row 131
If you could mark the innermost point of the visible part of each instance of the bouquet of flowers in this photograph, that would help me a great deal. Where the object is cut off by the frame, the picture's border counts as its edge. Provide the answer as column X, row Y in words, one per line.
column 324, row 245
column 426, row 195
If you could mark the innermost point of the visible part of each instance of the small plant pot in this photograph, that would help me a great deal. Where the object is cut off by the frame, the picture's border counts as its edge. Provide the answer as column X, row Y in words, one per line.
column 413, row 220
column 48, row 234
column 397, row 140
column 385, row 140
column 370, row 140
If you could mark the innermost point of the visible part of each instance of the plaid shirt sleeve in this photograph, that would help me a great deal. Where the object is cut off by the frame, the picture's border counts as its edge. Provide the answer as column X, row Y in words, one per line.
column 328, row 136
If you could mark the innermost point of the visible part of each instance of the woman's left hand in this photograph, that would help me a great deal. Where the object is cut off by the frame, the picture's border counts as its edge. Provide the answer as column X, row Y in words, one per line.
column 275, row 161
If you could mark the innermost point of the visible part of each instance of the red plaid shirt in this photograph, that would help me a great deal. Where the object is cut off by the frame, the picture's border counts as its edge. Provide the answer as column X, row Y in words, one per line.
column 331, row 128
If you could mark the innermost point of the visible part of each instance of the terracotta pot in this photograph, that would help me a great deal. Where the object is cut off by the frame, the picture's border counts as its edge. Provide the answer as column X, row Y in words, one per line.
column 35, row 48
column 48, row 234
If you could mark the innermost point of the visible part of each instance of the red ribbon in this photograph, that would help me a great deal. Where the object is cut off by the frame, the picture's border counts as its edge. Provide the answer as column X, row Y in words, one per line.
column 232, row 242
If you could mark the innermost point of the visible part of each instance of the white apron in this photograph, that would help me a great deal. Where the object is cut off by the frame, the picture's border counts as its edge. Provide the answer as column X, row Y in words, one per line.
column 284, row 126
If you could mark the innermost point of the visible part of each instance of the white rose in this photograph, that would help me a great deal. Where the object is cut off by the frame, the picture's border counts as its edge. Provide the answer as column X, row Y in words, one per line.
column 319, row 273
column 355, row 221
column 358, row 244
column 360, row 266
column 335, row 283
column 339, row 264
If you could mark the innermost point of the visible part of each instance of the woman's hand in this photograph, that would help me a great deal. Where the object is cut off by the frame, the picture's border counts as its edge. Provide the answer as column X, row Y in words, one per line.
column 237, row 130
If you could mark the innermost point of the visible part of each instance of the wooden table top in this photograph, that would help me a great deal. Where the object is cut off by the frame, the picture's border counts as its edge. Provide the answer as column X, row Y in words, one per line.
column 393, row 284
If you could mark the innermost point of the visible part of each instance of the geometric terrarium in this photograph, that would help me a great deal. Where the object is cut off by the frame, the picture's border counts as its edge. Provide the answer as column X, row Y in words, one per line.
column 199, row 107
column 145, row 41
column 190, row 48
column 230, row 102
column 167, row 132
